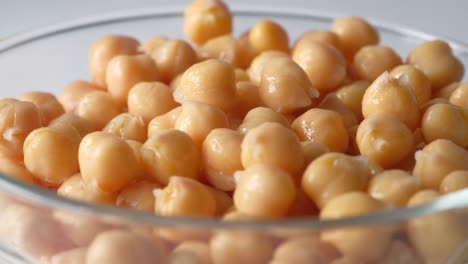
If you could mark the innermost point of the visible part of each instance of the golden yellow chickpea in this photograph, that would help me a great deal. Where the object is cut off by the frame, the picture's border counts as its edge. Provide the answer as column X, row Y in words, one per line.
column 170, row 153
column 75, row 188
column 268, row 35
column 401, row 253
column 5, row 101
column 446, row 91
column 15, row 169
column 72, row 93
column 104, row 49
column 225, row 48
column 327, row 37
column 136, row 147
column 351, row 96
column 393, row 186
column 210, row 82
column 47, row 104
column 312, row 150
column 345, row 260
column 365, row 244
column 70, row 121
column 127, row 126
column 175, row 82
column 439, row 64
column 454, row 181
column 241, row 75
column 260, row 115
column 302, row 206
column 417, row 81
column 73, row 256
column 107, row 161
column 163, row 122
column 97, row 108
column 354, row 33
column 322, row 126
column 152, row 43
column 331, row 102
column 333, row 174
column 437, row 159
column 373, row 60
column 248, row 98
column 324, row 64
column 138, row 196
column 260, row 61
column 304, row 250
column 459, row 96
column 391, row 96
column 191, row 252
column 223, row 201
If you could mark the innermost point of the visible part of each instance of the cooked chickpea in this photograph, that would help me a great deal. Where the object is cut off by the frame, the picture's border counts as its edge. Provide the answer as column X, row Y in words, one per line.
column 365, row 244
column 331, row 102
column 447, row 91
column 223, row 201
column 437, row 159
column 324, row 65
column 73, row 256
column 168, row 153
column 248, row 98
column 322, row 126
column 15, row 169
column 47, row 104
column 326, row 37
column 97, row 108
column 260, row 61
column 354, row 33
column 173, row 57
column 391, row 96
column 104, row 49
column 136, row 147
column 333, row 174
column 260, row 115
column 394, row 187
column 302, row 206
column 127, row 126
column 71, row 95
column 198, row 119
column 373, row 60
column 153, row 43
column 417, row 82
column 436, row 60
column 225, row 48
column 75, row 188
column 241, row 75
column 454, row 181
column 351, row 96
column 70, row 121
column 459, row 96
column 211, row 82
column 345, row 260
column 304, row 250
column 5, row 101
column 312, row 150
column 195, row 252
column 268, row 35
column 107, row 162
column 163, row 122
column 138, row 195
column 401, row 253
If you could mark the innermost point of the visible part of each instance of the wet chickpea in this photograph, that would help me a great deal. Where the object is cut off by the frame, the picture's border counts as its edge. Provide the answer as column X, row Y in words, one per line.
column 327, row 37
column 75, row 188
column 322, row 126
column 333, row 174
column 70, row 121
column 391, row 96
column 351, row 96
column 191, row 252
column 436, row 60
column 47, row 104
column 402, row 253
column 225, row 48
column 241, row 75
column 168, row 153
column 73, row 256
column 163, row 122
column 248, row 98
column 223, row 201
column 5, row 101
column 71, row 95
column 459, row 96
column 345, row 260
column 268, row 35
column 312, row 150
column 354, row 33
column 417, row 81
column 260, row 115
column 260, row 61
column 175, row 82
column 152, row 43
column 273, row 144
column 97, row 108
column 371, row 61
column 15, row 169
column 454, row 181
column 447, row 91
column 304, row 250
column 210, row 82
column 127, row 126
column 331, row 102
column 393, row 186
column 436, row 160
column 136, row 147
column 104, row 49
column 138, row 195
column 324, row 65
column 365, row 244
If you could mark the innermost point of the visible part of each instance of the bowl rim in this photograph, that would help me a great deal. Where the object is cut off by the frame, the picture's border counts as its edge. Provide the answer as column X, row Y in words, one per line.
column 23, row 191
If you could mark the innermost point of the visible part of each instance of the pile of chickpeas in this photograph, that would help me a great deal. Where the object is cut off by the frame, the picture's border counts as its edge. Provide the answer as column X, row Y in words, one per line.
column 244, row 128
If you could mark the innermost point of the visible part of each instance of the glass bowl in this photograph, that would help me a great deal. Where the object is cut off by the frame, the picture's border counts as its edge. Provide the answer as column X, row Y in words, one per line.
column 35, row 223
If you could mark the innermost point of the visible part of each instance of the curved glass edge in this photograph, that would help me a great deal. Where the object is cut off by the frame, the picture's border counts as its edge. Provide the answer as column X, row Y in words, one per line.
column 22, row 190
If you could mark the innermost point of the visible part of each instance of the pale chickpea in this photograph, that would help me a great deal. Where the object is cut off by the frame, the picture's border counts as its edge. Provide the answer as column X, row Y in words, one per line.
column 417, row 81
column 260, row 61
column 401, row 253
column 70, row 121
column 333, row 174
column 391, row 96
column 223, row 201
column 345, row 260
column 312, row 150
column 175, row 82
column 273, row 144
column 268, row 35
column 302, row 206
column 152, row 43
column 173, row 57
column 322, row 126
column 304, row 250
column 107, row 162
column 72, row 93
column 447, row 91
column 446, row 121
column 437, row 159
column 170, row 152
column 354, row 33
column 351, row 96
column 454, row 181
column 248, row 98
column 331, row 102
column 394, row 187
column 459, row 96
column 221, row 157
column 97, row 108
column 138, row 196
column 241, row 75
column 184, row 197
column 72, row 256
column 15, row 169
column 47, row 104
column 436, row 60
column 373, row 60
column 150, row 99
column 104, row 49
column 163, row 122
column 327, row 37
column 136, row 147
column 198, row 119
column 127, row 126
column 75, row 188
column 260, row 115
column 5, row 101
column 206, row 19
column 124, row 71
column 225, row 48
column 195, row 252
column 211, row 82
column 324, row 65
column 365, row 244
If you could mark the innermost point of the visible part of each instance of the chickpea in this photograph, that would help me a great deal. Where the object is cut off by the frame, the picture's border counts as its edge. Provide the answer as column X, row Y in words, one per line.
column 447, row 91
column 446, row 121
column 322, row 126
column 417, row 81
column 260, row 61
column 70, row 121
column 260, row 115
column 15, row 169
column 223, row 201
column 248, row 98
column 73, row 256
column 97, row 108
column 138, row 195
column 312, row 150
column 225, row 48
column 436, row 160
column 47, row 104
column 391, row 96
column 211, row 82
column 459, row 96
column 168, row 153
column 124, row 247
column 163, row 122
column 152, row 43
column 198, row 119
column 304, row 250
column 373, row 60
column 241, row 75
column 175, row 82
column 345, row 260
column 75, row 188
column 191, row 252
column 5, row 101
column 104, row 49
column 393, row 186
column 333, row 174
column 72, row 93
column 436, row 60
column 326, row 37
column 331, row 102
column 302, row 206
column 365, row 244
column 324, row 65
column 127, row 126
column 136, row 147
column 351, row 96
column 354, row 33
column 107, row 162
column 268, row 35
column 150, row 100
column 401, row 253
column 173, row 57
column 454, row 181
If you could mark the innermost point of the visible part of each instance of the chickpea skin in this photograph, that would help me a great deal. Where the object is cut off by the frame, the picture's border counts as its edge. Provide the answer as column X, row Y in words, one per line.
column 72, row 93
column 138, row 195
column 127, row 126
column 248, row 98
column 260, row 115
column 152, row 43
column 75, row 188
column 351, row 96
column 70, row 121
column 225, row 48
column 393, row 186
column 47, row 104
column 454, row 181
column 459, row 96
column 260, row 61
column 312, row 150
column 304, row 250
column 446, row 91
column 15, row 169
column 97, row 108
column 163, row 122
column 331, row 102
column 268, row 35
column 417, row 81
column 327, row 37
column 373, row 60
